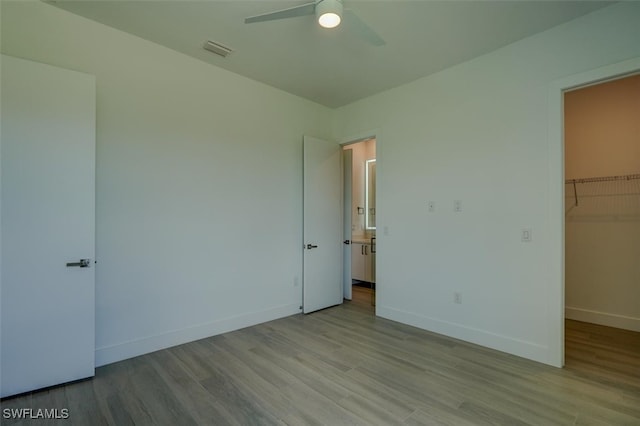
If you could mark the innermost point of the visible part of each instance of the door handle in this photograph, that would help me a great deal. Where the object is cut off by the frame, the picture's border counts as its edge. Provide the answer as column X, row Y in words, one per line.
column 83, row 263
column 347, row 242
column 311, row 246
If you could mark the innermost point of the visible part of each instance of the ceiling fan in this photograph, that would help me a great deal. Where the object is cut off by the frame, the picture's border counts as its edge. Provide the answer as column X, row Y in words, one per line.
column 329, row 13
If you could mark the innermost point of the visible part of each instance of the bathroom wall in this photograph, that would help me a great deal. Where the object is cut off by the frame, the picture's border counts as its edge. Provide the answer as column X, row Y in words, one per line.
column 362, row 151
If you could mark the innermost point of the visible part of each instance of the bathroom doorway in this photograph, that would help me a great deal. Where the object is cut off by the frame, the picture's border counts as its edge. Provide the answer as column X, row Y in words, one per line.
column 360, row 212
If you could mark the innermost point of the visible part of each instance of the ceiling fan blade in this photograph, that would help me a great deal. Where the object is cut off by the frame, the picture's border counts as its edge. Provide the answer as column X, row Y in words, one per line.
column 292, row 12
column 364, row 31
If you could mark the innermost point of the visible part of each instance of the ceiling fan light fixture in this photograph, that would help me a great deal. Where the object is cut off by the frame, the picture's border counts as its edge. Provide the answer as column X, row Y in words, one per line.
column 329, row 13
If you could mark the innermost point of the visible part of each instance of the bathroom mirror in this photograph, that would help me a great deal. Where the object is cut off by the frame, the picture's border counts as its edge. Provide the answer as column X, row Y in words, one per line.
column 370, row 194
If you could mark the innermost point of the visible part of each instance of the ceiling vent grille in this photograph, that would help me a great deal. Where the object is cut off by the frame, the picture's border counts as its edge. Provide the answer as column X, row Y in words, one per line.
column 217, row 48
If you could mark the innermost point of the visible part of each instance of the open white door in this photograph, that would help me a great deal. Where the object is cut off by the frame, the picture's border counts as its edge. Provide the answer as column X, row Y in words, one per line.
column 47, row 226
column 347, row 176
column 322, row 264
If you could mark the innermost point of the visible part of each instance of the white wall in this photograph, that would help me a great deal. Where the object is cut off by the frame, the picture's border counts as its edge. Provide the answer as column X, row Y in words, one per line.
column 199, row 177
column 602, row 138
column 199, row 184
column 477, row 133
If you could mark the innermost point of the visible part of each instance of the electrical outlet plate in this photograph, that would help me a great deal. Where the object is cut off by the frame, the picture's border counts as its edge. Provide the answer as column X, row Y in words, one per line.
column 431, row 205
column 457, row 297
column 457, row 206
column 526, row 235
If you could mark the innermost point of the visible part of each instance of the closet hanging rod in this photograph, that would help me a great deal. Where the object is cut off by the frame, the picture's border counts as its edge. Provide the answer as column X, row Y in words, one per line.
column 602, row 179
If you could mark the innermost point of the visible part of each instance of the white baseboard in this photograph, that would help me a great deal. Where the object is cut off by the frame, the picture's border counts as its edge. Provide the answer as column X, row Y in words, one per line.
column 529, row 350
column 145, row 345
column 602, row 318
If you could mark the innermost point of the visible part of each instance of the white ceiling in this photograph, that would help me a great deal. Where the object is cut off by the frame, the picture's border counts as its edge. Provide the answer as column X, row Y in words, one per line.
column 334, row 67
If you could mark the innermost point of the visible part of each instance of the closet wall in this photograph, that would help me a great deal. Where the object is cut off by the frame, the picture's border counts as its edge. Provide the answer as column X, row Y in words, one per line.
column 602, row 245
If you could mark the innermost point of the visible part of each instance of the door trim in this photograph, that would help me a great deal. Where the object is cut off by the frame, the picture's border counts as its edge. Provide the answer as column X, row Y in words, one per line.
column 347, row 195
column 556, row 259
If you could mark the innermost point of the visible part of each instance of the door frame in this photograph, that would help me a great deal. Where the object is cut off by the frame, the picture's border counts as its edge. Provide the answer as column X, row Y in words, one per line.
column 556, row 249
column 360, row 137
column 347, row 223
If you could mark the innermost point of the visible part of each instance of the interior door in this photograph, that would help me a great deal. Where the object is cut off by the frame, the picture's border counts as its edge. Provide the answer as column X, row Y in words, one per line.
column 322, row 263
column 47, row 226
column 347, row 176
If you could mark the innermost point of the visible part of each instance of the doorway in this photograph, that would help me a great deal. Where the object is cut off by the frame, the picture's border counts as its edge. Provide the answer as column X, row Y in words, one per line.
column 602, row 203
column 361, row 214
column 555, row 250
column 601, row 222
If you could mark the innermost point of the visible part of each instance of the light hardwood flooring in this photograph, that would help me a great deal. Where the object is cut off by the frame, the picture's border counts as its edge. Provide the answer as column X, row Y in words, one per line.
column 344, row 366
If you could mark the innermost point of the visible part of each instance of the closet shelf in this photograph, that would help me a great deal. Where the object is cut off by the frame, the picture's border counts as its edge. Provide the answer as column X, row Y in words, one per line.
column 614, row 196
column 602, row 179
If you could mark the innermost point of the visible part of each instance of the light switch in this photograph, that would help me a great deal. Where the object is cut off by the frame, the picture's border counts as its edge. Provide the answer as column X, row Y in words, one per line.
column 431, row 206
column 457, row 206
column 526, row 235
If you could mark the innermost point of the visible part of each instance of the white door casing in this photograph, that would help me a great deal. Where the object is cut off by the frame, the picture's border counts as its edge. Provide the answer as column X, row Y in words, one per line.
column 323, row 232
column 347, row 176
column 47, row 220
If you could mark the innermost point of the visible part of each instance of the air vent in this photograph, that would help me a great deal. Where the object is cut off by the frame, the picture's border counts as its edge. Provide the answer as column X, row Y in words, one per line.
column 217, row 48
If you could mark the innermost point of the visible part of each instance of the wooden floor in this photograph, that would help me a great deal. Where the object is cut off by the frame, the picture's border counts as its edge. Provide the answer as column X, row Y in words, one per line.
column 344, row 366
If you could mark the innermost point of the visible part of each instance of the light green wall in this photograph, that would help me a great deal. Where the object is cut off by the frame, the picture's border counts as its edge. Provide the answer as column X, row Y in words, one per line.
column 199, row 183
column 478, row 133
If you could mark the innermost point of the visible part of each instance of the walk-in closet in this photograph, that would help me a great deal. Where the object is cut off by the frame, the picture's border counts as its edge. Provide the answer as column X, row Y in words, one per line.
column 602, row 226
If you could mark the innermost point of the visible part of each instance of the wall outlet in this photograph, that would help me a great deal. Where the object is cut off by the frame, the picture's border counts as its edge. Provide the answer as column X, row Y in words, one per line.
column 526, row 235
column 457, row 297
column 385, row 230
column 457, row 206
column 431, row 205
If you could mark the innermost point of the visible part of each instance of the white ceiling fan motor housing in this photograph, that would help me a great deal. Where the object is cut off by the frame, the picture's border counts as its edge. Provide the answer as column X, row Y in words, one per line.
column 329, row 13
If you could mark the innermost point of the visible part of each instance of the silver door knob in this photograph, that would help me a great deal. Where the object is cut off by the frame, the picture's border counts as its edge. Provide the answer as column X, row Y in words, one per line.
column 311, row 246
